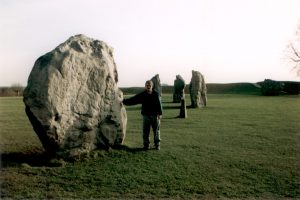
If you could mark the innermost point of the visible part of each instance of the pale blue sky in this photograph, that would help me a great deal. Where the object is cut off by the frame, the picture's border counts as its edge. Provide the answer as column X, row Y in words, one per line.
column 226, row 40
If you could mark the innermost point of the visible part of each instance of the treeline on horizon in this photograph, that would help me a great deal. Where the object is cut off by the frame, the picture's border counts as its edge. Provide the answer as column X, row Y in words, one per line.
column 290, row 87
column 212, row 88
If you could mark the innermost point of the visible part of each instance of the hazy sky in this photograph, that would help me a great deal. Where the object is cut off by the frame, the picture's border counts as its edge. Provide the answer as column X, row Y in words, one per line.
column 226, row 40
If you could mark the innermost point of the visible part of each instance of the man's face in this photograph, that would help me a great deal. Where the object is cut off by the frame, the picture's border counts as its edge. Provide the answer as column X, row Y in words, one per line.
column 148, row 87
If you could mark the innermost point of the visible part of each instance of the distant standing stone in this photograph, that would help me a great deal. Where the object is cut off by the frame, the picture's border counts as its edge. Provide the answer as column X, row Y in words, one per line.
column 72, row 99
column 182, row 113
column 198, row 90
column 156, row 84
column 178, row 93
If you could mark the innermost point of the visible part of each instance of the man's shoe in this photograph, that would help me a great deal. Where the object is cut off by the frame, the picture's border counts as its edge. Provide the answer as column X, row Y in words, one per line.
column 157, row 147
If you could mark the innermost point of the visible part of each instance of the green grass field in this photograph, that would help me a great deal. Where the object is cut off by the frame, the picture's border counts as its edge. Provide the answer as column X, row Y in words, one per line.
column 239, row 146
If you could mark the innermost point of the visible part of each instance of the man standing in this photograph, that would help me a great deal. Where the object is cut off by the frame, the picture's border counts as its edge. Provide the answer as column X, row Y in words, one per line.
column 151, row 111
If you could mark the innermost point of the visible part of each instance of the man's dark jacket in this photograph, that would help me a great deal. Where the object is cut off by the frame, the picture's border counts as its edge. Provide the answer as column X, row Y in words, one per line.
column 151, row 103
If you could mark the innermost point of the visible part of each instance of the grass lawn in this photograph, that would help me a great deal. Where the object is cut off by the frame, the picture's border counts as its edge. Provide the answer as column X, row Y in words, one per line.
column 239, row 146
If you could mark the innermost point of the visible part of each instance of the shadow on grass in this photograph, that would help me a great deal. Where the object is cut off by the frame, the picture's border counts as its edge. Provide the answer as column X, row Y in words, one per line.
column 171, row 107
column 42, row 159
column 33, row 159
column 130, row 149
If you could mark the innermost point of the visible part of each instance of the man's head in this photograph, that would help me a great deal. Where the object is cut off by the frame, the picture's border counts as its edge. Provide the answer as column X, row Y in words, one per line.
column 149, row 86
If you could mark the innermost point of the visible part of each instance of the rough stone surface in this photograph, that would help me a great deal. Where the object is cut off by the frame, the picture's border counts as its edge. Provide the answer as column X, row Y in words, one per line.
column 178, row 92
column 72, row 99
column 198, row 90
column 156, row 84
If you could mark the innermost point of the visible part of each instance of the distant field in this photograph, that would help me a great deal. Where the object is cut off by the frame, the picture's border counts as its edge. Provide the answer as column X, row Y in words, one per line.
column 239, row 146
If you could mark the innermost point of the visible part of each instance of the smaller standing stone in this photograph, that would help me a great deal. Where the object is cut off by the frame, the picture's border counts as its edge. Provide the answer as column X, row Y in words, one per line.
column 179, row 85
column 156, row 84
column 183, row 113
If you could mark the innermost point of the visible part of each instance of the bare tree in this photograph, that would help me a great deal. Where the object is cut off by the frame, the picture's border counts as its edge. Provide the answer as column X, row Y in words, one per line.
column 293, row 51
column 17, row 88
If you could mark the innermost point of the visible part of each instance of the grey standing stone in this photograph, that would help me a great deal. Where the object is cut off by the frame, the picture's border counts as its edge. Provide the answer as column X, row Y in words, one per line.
column 156, row 84
column 182, row 113
column 72, row 99
column 198, row 91
column 178, row 92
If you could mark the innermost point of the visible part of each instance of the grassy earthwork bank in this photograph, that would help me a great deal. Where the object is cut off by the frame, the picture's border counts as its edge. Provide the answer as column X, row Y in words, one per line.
column 240, row 146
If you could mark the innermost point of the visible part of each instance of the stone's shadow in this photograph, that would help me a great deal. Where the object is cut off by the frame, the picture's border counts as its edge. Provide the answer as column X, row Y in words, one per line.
column 42, row 159
column 36, row 159
column 177, row 107
column 133, row 150
column 190, row 107
column 171, row 107
column 176, row 117
column 169, row 102
column 128, row 149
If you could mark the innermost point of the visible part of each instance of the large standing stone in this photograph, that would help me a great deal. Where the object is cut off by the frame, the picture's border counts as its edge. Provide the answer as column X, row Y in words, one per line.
column 156, row 84
column 72, row 99
column 198, row 90
column 178, row 92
